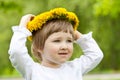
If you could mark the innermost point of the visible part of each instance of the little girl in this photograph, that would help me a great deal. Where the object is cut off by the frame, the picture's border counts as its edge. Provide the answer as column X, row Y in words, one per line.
column 52, row 34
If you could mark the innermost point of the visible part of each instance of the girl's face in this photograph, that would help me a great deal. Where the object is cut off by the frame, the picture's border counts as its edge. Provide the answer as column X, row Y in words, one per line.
column 58, row 48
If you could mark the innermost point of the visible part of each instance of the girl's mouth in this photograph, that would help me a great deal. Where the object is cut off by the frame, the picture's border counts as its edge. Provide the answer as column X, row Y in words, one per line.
column 62, row 53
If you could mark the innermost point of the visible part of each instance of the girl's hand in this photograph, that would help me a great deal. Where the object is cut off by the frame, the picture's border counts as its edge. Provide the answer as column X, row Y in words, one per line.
column 77, row 34
column 25, row 19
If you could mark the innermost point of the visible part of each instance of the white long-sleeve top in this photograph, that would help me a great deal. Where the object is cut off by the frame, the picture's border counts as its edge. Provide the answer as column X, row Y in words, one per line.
column 70, row 70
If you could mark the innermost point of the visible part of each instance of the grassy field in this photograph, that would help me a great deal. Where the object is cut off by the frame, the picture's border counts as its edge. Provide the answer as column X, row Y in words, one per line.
column 102, row 77
column 86, row 77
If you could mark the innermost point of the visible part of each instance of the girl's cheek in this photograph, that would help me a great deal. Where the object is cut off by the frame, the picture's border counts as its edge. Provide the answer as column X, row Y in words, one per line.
column 55, row 49
column 71, row 48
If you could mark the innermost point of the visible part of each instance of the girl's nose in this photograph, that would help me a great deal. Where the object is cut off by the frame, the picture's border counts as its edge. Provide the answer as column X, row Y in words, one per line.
column 64, row 46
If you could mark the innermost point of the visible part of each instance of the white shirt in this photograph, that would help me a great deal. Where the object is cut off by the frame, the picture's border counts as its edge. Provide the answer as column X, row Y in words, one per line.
column 71, row 70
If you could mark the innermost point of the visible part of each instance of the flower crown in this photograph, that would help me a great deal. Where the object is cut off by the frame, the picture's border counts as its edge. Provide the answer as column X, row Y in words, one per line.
column 57, row 13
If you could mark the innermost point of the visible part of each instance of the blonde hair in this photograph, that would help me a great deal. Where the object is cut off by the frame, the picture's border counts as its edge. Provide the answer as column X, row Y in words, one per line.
column 40, row 36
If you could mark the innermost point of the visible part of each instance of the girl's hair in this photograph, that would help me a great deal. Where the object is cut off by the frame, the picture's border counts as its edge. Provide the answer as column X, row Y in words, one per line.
column 40, row 36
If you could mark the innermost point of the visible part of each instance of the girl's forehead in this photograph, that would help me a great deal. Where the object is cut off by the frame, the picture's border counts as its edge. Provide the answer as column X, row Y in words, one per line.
column 61, row 34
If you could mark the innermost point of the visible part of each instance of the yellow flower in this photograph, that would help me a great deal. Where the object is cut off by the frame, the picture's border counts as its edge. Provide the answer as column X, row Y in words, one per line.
column 57, row 13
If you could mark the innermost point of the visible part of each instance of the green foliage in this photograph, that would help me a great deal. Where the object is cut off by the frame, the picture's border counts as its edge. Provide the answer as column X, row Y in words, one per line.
column 77, row 51
column 107, row 7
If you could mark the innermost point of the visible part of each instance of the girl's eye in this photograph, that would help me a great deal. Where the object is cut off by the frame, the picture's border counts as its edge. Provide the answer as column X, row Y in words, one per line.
column 70, row 41
column 56, row 41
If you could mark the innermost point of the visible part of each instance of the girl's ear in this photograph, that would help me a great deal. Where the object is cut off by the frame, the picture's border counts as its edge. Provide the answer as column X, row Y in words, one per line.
column 40, row 51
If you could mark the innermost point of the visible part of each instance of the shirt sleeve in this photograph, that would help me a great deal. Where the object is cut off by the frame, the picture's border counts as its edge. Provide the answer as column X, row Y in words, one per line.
column 92, row 54
column 18, row 52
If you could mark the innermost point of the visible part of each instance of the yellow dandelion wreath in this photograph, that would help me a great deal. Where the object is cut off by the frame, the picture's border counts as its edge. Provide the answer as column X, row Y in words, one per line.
column 57, row 13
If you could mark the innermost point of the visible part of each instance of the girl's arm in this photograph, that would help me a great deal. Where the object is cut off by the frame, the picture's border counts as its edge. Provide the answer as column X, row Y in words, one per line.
column 18, row 52
column 92, row 53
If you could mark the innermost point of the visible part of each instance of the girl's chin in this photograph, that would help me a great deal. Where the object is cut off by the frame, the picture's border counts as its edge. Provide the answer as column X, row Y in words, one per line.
column 62, row 61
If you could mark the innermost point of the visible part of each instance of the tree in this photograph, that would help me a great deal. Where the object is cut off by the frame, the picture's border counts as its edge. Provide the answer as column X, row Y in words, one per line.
column 107, row 13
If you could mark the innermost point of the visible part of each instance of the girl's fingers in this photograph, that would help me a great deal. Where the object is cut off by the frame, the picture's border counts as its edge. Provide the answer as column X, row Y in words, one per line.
column 25, row 19
column 77, row 35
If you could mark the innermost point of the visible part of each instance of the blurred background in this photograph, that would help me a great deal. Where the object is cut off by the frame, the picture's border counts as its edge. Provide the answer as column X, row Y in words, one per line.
column 102, row 17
